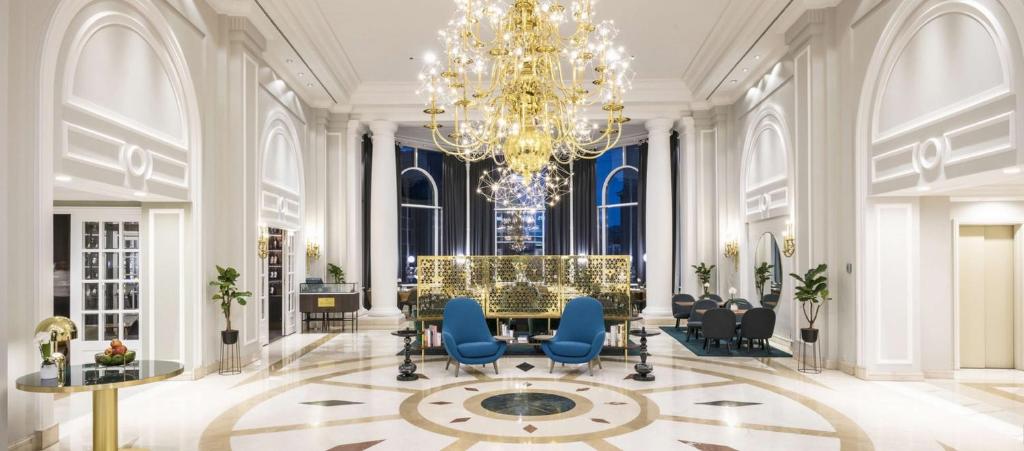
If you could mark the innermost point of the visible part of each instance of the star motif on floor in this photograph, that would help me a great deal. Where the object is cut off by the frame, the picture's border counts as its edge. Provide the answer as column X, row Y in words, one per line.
column 355, row 446
column 615, row 403
column 599, row 420
column 440, row 403
column 330, row 403
column 460, row 420
column 583, row 389
column 530, row 428
column 725, row 403
column 472, row 389
column 525, row 366
column 708, row 446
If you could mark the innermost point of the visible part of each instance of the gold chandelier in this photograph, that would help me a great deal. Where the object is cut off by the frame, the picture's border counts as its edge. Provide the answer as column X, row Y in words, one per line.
column 518, row 91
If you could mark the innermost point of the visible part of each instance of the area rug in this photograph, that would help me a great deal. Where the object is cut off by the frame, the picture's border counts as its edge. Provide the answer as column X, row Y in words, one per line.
column 696, row 346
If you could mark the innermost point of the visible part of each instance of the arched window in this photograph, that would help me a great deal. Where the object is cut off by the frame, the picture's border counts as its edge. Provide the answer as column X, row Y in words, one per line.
column 420, row 221
column 618, row 204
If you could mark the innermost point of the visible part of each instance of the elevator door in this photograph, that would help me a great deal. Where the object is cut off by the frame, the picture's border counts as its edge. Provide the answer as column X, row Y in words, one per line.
column 986, row 296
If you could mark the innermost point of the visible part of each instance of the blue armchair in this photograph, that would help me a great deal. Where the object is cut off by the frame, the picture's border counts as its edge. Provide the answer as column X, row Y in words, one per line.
column 466, row 336
column 580, row 334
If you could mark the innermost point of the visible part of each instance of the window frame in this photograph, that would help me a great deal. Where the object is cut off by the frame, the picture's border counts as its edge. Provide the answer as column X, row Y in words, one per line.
column 435, row 207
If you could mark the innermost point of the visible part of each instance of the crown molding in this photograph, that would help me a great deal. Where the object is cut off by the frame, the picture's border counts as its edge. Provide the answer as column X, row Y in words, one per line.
column 304, row 22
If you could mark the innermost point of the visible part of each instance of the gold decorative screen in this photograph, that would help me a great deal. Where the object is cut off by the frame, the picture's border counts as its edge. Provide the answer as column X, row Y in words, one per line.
column 523, row 286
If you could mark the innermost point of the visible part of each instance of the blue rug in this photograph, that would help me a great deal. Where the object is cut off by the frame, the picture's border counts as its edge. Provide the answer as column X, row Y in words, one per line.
column 696, row 346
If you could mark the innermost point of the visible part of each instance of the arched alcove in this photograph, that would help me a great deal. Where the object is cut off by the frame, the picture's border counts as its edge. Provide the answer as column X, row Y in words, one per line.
column 281, row 176
column 118, row 106
column 942, row 91
column 765, row 166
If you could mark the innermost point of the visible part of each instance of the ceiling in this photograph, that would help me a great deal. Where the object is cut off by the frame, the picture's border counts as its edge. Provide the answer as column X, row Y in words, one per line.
column 362, row 57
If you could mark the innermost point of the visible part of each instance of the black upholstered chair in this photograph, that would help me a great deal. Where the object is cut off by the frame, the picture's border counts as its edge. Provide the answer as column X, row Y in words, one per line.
column 694, row 323
column 719, row 324
column 740, row 303
column 714, row 297
column 682, row 304
column 770, row 301
column 758, row 325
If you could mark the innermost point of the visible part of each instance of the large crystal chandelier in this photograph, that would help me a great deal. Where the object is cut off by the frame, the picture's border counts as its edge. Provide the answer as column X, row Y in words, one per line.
column 518, row 91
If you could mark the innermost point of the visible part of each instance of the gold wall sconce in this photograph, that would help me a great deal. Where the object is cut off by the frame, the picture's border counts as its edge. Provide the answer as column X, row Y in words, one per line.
column 732, row 251
column 788, row 241
column 262, row 245
column 312, row 250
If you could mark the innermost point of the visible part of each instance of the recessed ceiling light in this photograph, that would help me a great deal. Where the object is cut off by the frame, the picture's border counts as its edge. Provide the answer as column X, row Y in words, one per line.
column 309, row 85
column 140, row 194
column 302, row 74
column 62, row 178
column 924, row 188
column 732, row 81
column 289, row 61
column 1012, row 170
column 745, row 70
column 757, row 57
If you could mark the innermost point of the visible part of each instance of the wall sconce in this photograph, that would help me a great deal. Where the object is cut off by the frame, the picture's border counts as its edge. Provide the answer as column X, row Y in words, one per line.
column 262, row 245
column 732, row 251
column 312, row 250
column 788, row 241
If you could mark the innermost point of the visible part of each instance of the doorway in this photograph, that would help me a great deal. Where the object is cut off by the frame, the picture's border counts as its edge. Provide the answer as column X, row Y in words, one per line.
column 986, row 275
column 279, row 285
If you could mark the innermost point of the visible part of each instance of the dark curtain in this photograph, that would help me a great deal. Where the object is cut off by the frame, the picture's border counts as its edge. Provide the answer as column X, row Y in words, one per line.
column 400, row 268
column 453, row 207
column 367, row 171
column 641, row 265
column 481, row 212
column 674, row 156
column 584, row 207
column 556, row 225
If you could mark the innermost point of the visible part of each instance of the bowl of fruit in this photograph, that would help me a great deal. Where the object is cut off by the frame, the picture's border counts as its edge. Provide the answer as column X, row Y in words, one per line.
column 115, row 355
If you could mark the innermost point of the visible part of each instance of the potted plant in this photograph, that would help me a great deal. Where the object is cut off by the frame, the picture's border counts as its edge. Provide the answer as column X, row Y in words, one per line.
column 704, row 275
column 226, row 294
column 336, row 273
column 812, row 292
column 762, row 273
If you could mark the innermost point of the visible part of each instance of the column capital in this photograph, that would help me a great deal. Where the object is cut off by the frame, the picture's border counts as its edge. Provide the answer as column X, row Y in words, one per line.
column 659, row 125
column 337, row 122
column 387, row 128
column 241, row 29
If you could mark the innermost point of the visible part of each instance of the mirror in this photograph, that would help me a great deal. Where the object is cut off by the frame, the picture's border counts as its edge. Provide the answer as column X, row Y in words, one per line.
column 768, row 270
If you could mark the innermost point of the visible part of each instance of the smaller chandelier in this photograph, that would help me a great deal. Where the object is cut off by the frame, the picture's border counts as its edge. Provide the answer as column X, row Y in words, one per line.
column 506, row 187
column 518, row 226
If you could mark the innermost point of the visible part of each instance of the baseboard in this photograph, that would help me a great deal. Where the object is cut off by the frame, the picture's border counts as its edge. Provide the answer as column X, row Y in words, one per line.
column 383, row 322
column 938, row 374
column 864, row 373
column 660, row 320
column 38, row 440
column 848, row 368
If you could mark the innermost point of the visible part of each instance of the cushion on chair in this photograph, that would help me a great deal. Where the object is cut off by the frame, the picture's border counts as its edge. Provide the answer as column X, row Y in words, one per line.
column 570, row 348
column 478, row 349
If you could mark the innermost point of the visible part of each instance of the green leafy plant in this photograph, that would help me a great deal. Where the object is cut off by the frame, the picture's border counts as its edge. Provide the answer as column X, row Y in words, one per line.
column 704, row 275
column 227, row 292
column 762, row 273
column 336, row 273
column 812, row 292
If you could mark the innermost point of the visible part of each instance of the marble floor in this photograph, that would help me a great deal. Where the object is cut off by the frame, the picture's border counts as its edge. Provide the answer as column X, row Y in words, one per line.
column 338, row 392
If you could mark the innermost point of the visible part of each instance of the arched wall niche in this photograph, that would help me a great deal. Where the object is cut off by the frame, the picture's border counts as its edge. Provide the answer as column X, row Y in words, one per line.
column 119, row 108
column 766, row 166
column 944, row 87
column 281, row 173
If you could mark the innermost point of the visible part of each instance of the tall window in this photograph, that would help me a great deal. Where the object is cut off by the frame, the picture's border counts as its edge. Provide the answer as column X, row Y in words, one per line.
column 618, row 204
column 420, row 222
column 525, row 237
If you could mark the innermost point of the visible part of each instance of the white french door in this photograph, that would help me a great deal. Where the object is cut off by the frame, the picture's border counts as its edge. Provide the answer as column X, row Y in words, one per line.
column 264, row 300
column 290, row 295
column 106, row 289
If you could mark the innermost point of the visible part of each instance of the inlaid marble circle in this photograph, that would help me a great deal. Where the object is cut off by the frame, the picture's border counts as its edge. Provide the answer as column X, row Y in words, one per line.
column 528, row 404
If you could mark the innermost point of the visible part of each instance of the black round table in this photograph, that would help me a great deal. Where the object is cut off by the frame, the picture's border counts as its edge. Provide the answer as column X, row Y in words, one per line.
column 643, row 369
column 407, row 370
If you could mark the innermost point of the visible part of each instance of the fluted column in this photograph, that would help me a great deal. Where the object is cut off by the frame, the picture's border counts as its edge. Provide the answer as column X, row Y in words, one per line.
column 384, row 222
column 659, row 219
column 354, row 206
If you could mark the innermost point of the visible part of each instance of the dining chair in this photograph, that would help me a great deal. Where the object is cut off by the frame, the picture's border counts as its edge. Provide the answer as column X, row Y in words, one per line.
column 682, row 305
column 714, row 297
column 694, row 323
column 758, row 325
column 740, row 303
column 770, row 301
column 719, row 324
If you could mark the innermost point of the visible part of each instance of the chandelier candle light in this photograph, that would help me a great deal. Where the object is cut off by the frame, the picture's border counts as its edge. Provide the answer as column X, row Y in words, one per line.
column 518, row 91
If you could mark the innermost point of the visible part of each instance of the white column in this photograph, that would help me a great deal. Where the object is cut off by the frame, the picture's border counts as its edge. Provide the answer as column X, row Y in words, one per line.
column 354, row 207
column 384, row 221
column 659, row 219
column 688, row 202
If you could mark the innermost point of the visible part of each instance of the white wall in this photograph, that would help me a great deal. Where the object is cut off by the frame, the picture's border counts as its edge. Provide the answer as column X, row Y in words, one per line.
column 5, row 40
